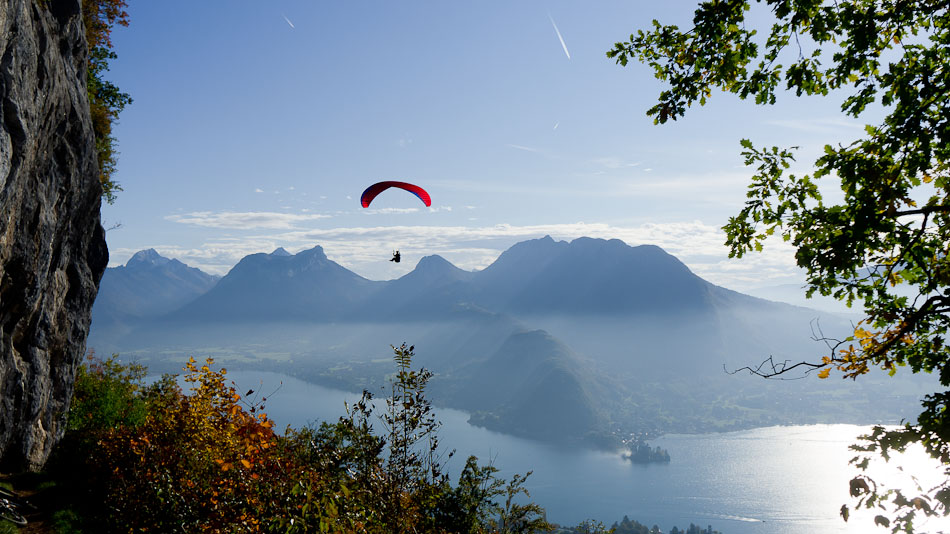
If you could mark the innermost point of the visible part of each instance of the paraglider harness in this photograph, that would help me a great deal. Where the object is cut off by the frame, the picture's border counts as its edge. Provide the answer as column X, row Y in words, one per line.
column 396, row 256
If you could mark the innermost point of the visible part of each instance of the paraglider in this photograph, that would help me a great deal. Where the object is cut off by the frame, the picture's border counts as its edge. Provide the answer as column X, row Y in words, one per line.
column 372, row 191
column 367, row 197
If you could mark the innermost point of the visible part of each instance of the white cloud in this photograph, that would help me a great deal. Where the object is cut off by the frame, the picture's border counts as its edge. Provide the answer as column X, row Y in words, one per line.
column 390, row 211
column 248, row 220
column 258, row 190
column 525, row 148
column 613, row 162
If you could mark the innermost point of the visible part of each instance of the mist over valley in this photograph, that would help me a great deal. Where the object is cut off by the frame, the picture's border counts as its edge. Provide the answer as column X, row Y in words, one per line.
column 584, row 343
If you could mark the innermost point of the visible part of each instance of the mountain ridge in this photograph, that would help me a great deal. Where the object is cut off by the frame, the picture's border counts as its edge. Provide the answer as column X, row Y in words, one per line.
column 280, row 286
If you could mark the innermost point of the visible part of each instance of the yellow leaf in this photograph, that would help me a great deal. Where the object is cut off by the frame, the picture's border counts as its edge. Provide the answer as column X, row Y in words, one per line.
column 928, row 179
column 245, row 463
column 824, row 373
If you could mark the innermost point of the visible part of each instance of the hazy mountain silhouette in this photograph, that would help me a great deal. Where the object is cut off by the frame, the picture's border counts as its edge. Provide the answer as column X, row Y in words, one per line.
column 281, row 286
column 432, row 289
column 148, row 285
column 591, row 277
column 533, row 386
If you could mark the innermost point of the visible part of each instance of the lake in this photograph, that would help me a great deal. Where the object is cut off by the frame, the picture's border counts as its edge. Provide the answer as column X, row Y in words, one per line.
column 775, row 480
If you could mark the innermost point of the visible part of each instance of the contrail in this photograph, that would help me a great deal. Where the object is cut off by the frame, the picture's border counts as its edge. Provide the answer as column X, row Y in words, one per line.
column 288, row 20
column 525, row 148
column 558, row 32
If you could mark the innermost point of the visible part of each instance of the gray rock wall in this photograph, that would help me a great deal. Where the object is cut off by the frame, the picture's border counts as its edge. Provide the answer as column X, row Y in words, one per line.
column 52, row 245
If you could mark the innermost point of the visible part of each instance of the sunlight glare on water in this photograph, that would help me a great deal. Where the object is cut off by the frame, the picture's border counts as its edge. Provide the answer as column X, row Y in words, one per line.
column 786, row 477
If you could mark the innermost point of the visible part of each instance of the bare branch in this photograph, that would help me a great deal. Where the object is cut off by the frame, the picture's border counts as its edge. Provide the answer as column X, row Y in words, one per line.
column 817, row 334
column 769, row 368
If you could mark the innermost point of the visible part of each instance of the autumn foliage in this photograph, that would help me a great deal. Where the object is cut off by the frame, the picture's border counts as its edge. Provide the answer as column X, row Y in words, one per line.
column 163, row 458
column 196, row 461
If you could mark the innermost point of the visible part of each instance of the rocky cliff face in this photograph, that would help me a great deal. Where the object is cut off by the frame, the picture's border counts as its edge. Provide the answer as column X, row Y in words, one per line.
column 52, row 245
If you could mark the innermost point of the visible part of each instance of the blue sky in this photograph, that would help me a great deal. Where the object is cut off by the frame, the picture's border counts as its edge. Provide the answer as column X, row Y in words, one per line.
column 258, row 124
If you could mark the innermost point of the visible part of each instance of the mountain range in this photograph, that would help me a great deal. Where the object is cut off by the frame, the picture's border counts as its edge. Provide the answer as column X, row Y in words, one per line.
column 590, row 341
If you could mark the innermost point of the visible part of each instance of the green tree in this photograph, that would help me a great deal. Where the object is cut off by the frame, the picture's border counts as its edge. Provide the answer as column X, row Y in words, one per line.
column 106, row 394
column 590, row 526
column 411, row 424
column 516, row 518
column 106, row 101
column 470, row 506
column 412, row 467
column 891, row 227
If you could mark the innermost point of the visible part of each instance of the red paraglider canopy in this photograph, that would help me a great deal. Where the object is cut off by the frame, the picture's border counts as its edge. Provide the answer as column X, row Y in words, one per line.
column 367, row 197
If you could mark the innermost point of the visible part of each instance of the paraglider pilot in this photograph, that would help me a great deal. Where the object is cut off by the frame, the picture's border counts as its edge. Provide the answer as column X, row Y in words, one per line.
column 396, row 257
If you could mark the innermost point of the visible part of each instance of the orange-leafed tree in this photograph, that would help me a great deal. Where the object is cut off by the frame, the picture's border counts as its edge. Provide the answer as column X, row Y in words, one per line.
column 201, row 460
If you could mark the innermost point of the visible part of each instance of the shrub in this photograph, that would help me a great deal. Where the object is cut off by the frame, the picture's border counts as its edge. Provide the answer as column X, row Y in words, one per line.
column 156, row 458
